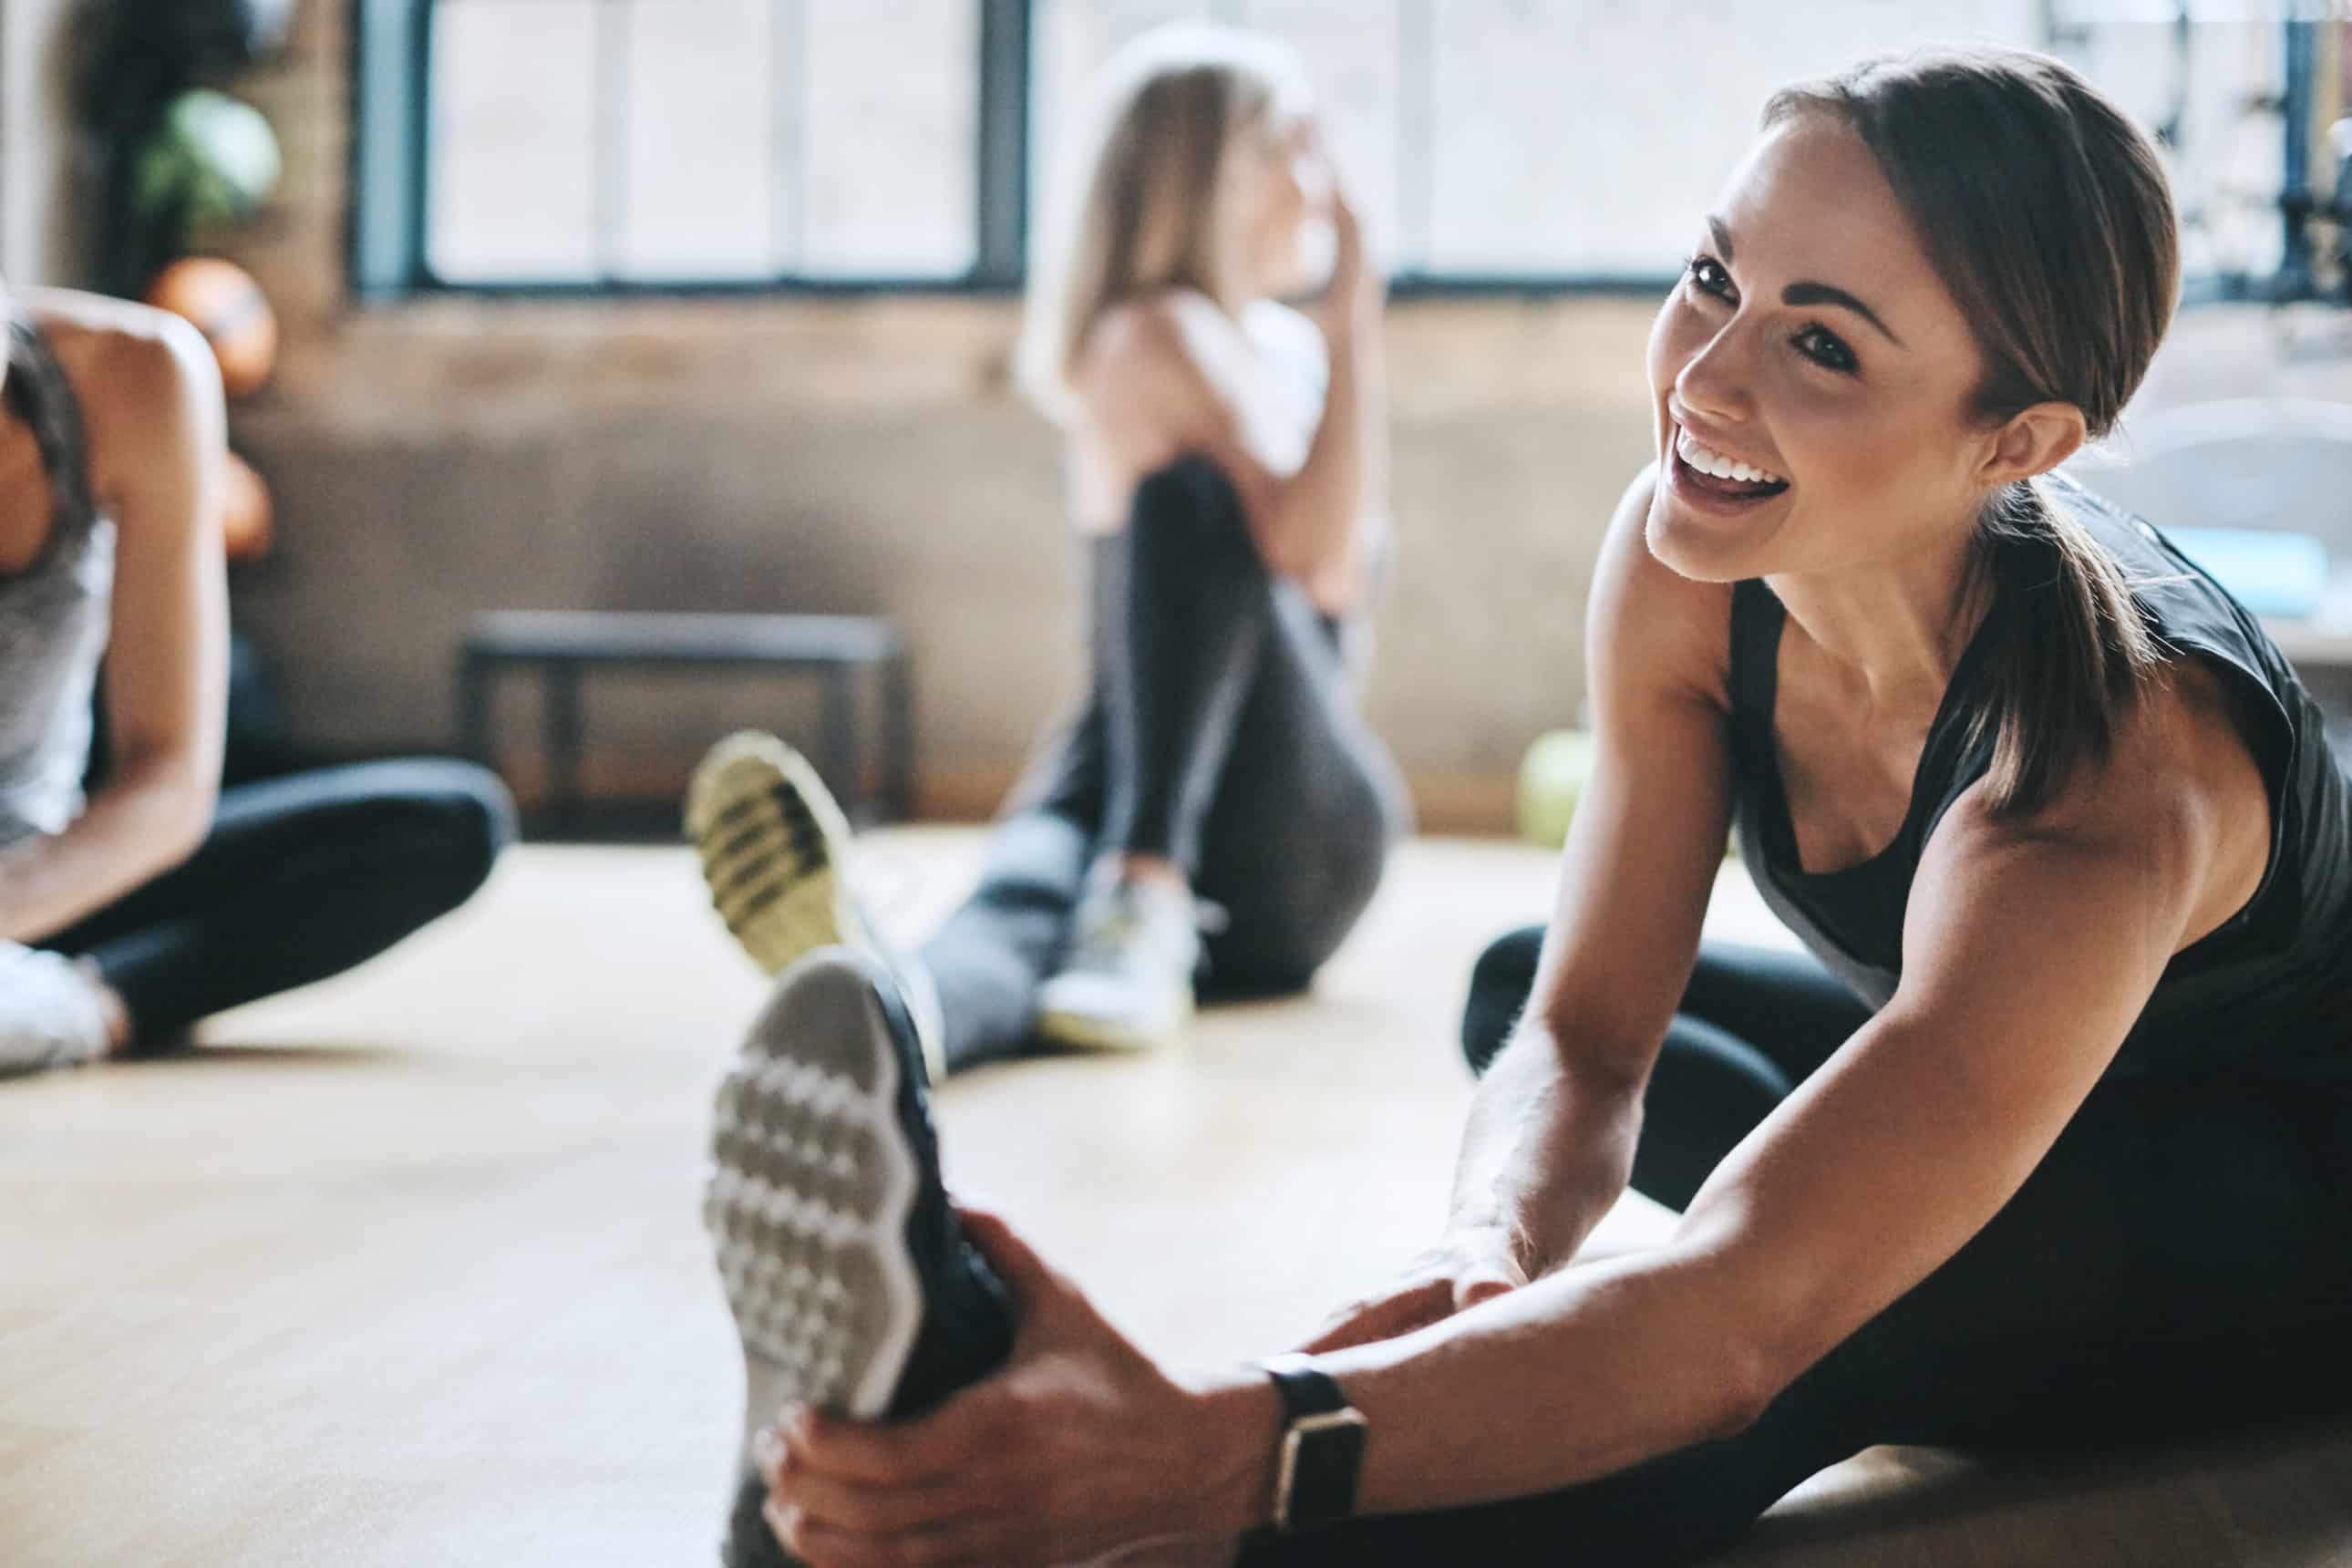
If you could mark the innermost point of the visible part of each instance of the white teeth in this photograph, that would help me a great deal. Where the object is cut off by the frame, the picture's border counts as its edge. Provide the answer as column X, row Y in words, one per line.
column 1707, row 461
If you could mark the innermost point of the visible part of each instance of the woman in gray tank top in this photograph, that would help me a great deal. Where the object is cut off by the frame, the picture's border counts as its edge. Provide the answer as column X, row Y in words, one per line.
column 140, row 897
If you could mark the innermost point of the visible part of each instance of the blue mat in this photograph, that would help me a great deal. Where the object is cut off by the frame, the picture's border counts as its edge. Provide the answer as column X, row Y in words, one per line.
column 2271, row 573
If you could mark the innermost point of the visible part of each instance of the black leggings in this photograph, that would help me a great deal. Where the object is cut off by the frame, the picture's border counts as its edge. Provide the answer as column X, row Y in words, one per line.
column 300, row 878
column 2179, row 1265
column 1220, row 732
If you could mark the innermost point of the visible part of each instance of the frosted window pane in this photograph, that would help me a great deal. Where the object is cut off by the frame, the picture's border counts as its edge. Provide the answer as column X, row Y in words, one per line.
column 1584, row 136
column 2230, row 156
column 697, row 131
column 1351, row 48
column 889, row 159
column 1069, row 40
column 512, row 140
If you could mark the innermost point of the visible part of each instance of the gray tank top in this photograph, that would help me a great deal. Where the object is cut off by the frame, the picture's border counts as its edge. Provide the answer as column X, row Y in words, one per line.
column 53, row 615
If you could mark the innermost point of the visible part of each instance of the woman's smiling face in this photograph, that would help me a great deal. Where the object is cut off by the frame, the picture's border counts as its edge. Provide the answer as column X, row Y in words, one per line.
column 1814, row 379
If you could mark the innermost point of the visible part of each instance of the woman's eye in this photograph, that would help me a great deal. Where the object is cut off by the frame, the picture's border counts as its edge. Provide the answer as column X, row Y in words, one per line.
column 1824, row 348
column 1708, row 275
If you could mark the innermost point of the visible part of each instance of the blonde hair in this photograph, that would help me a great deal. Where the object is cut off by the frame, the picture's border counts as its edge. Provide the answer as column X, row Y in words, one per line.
column 1136, row 206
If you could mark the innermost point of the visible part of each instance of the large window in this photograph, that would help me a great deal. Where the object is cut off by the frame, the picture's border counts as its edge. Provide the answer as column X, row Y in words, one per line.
column 605, row 142
column 667, row 144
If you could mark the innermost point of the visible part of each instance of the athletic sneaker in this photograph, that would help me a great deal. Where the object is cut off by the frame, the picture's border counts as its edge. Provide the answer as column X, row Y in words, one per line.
column 775, row 852
column 850, row 1280
column 1126, row 984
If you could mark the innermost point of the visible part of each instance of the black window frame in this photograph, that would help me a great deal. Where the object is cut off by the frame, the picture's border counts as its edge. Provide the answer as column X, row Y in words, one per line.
column 392, row 52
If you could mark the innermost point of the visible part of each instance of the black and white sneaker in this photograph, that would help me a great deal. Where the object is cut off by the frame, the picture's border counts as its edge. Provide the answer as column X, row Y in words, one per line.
column 850, row 1280
column 776, row 849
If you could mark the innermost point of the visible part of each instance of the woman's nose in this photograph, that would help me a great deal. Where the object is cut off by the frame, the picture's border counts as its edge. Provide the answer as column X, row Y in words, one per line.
column 1713, row 381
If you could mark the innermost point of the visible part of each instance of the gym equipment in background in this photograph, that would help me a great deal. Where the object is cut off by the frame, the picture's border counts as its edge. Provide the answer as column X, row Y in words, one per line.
column 1552, row 777
column 209, row 159
column 247, row 514
column 224, row 302
column 2266, row 482
column 2251, row 107
column 162, row 156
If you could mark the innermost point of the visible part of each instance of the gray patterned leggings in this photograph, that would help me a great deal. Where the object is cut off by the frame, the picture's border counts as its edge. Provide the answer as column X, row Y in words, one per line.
column 1220, row 732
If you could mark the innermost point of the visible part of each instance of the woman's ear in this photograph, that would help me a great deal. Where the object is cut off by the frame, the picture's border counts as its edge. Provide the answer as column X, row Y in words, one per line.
column 2032, row 441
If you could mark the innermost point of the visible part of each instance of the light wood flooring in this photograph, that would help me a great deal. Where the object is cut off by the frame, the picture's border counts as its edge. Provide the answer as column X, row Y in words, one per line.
column 406, row 1271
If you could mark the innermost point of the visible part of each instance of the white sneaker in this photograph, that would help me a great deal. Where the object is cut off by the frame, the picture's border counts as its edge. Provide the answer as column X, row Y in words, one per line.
column 775, row 851
column 1127, row 983
column 50, row 1014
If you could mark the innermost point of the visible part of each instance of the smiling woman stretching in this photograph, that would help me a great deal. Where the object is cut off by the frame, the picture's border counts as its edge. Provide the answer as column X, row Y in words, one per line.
column 2050, row 1142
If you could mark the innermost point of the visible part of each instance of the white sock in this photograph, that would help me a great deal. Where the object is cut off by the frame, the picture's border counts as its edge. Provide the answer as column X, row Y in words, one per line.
column 49, row 1013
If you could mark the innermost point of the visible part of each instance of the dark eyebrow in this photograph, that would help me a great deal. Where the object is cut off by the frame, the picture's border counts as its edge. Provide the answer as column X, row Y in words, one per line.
column 1807, row 293
column 1823, row 294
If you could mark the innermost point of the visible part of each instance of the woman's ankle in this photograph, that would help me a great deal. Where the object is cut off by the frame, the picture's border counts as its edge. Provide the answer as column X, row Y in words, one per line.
column 1120, row 866
column 111, row 1007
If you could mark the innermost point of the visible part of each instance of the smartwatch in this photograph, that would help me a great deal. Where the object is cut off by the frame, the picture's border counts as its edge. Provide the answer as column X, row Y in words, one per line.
column 1322, row 1446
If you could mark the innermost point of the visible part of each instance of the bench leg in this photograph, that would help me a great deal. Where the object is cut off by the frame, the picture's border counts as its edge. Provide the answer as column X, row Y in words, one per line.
column 562, row 731
column 841, row 739
column 474, row 673
column 898, row 736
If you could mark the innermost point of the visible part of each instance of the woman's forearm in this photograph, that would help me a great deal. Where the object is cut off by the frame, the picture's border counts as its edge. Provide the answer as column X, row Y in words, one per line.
column 147, row 819
column 1546, row 1152
column 1576, row 1376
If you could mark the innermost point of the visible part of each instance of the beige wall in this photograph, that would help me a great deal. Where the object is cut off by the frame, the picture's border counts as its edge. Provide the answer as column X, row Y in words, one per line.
column 434, row 459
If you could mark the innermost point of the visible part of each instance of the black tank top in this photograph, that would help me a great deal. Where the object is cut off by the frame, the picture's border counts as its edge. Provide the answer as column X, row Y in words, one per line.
column 2268, row 993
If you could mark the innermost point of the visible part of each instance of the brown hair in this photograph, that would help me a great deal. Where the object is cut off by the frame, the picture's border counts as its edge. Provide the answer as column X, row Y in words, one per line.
column 2049, row 218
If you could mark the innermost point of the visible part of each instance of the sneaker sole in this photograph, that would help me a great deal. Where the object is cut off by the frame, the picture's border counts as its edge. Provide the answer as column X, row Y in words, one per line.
column 812, row 1185
column 1085, row 1032
column 774, row 845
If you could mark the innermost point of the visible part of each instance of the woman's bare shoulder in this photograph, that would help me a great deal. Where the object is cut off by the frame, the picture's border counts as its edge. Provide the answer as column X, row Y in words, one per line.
column 142, row 376
column 1650, row 627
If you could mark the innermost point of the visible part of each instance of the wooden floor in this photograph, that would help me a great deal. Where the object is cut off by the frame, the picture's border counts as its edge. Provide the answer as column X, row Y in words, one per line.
column 406, row 1271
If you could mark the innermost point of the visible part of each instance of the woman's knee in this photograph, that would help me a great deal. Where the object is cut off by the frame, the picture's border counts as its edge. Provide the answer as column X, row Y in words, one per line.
column 450, row 821
column 476, row 823
column 1187, row 516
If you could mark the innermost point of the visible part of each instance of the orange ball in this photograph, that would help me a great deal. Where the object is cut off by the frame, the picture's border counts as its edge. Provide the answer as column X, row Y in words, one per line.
column 246, row 512
column 228, row 307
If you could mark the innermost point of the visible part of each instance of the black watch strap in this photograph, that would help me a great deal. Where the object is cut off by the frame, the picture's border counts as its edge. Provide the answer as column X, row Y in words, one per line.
column 1322, row 1446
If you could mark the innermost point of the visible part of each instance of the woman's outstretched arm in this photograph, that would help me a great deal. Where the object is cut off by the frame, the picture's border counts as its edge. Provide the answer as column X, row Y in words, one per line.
column 2031, row 948
column 1549, row 1142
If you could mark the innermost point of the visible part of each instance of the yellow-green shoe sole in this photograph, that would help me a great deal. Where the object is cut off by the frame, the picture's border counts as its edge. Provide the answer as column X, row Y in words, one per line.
column 773, row 846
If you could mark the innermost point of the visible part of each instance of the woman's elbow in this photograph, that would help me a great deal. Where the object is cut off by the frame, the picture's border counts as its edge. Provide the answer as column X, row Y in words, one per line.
column 1756, row 1351
column 1748, row 1381
column 200, row 801
column 182, row 791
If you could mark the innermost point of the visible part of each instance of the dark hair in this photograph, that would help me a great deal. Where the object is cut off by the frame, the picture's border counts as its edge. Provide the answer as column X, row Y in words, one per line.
column 2048, row 216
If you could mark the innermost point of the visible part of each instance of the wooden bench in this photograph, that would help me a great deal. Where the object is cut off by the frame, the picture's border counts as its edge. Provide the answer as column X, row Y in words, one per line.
column 563, row 645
